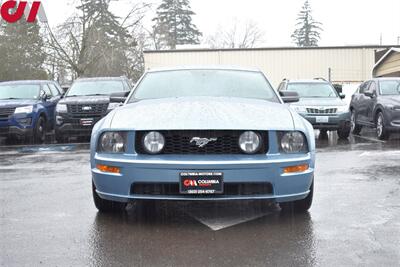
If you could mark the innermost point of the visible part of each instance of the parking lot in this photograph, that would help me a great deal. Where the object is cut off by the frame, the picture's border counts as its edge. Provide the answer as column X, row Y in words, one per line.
column 48, row 218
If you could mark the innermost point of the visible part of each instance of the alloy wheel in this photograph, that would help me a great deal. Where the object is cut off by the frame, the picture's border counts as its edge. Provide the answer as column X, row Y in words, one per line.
column 353, row 121
column 379, row 125
column 41, row 132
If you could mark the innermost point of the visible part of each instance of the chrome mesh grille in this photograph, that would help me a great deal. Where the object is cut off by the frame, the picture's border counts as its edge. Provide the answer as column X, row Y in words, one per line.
column 179, row 142
column 321, row 110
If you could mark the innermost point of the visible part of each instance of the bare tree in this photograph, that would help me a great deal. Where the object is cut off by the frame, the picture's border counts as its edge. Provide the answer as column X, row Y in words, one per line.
column 94, row 42
column 239, row 35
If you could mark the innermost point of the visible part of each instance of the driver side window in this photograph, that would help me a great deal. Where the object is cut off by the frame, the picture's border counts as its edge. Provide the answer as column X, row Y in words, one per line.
column 46, row 89
column 372, row 88
column 364, row 87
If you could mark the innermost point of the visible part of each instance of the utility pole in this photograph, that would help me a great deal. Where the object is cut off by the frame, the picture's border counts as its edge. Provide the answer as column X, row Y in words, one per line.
column 329, row 74
column 398, row 40
column 380, row 40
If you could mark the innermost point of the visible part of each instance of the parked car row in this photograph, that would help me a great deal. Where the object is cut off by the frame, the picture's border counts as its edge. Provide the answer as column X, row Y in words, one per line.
column 29, row 110
column 376, row 104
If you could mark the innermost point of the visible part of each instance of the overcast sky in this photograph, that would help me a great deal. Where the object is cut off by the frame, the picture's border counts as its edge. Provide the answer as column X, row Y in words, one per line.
column 345, row 22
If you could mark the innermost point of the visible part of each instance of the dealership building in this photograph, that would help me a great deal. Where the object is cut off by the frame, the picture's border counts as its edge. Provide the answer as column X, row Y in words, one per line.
column 340, row 64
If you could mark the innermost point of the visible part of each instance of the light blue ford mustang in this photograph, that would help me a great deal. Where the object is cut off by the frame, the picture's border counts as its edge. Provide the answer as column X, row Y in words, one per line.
column 203, row 133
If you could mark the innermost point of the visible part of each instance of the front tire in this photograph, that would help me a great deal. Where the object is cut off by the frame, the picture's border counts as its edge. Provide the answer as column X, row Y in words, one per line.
column 299, row 206
column 104, row 205
column 344, row 131
column 381, row 130
column 39, row 132
column 355, row 128
column 323, row 134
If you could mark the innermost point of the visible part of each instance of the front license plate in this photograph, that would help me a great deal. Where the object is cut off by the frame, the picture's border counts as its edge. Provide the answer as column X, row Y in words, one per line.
column 322, row 119
column 86, row 122
column 201, row 183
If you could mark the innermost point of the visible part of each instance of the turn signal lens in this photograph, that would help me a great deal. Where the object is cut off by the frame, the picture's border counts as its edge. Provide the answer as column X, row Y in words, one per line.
column 105, row 168
column 298, row 168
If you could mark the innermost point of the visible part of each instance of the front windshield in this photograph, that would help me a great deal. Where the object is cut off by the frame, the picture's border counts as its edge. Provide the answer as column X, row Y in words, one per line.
column 215, row 83
column 84, row 88
column 391, row 87
column 312, row 89
column 19, row 91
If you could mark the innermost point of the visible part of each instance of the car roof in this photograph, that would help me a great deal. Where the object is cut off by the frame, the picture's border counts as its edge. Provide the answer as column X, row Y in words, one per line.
column 386, row 78
column 204, row 67
column 307, row 81
column 100, row 79
column 27, row 82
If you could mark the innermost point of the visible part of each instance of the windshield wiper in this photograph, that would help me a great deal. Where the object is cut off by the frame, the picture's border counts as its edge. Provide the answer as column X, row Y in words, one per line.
column 95, row 94
column 9, row 98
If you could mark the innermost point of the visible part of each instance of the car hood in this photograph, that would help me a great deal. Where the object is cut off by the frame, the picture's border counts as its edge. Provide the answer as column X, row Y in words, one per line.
column 200, row 113
column 18, row 102
column 101, row 99
column 319, row 101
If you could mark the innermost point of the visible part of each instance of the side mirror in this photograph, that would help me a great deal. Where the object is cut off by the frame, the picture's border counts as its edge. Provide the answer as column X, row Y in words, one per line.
column 342, row 96
column 338, row 88
column 369, row 94
column 118, row 97
column 289, row 96
column 43, row 96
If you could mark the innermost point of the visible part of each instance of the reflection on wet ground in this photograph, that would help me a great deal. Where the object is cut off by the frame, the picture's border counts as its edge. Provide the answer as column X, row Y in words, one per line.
column 47, row 216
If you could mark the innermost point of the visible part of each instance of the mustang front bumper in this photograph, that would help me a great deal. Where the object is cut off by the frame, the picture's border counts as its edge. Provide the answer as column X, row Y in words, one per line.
column 237, row 169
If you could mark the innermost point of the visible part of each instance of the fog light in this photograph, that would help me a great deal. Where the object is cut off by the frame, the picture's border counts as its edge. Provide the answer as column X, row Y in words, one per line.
column 25, row 121
column 59, row 120
column 298, row 168
column 105, row 168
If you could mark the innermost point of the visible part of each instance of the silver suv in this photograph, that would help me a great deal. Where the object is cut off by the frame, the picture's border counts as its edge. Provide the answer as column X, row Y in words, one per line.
column 320, row 104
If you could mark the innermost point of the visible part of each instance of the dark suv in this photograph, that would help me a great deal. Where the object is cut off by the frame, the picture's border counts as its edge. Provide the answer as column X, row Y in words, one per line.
column 27, row 109
column 376, row 104
column 85, row 103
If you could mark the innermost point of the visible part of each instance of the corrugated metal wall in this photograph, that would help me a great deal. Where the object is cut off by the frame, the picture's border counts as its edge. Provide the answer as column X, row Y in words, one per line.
column 353, row 64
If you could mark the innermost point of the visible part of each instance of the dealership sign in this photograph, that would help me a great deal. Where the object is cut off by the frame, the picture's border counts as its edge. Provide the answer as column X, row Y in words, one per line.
column 13, row 11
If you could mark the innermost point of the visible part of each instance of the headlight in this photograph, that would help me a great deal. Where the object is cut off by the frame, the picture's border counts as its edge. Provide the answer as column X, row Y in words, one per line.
column 112, row 106
column 112, row 142
column 249, row 142
column 61, row 108
column 153, row 142
column 293, row 142
column 26, row 109
column 342, row 109
column 299, row 109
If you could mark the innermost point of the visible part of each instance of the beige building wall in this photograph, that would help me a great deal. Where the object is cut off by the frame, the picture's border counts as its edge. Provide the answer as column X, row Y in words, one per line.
column 347, row 64
column 390, row 66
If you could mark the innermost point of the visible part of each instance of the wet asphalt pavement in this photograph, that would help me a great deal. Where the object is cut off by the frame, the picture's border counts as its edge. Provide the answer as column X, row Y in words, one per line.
column 48, row 218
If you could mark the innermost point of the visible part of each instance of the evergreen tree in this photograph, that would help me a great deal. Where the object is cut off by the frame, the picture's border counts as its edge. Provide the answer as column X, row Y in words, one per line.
column 22, row 54
column 173, row 24
column 105, row 41
column 308, row 31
